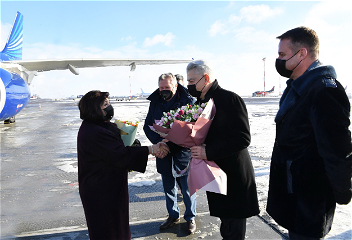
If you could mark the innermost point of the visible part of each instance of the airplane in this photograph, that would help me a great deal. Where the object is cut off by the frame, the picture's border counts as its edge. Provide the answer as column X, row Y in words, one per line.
column 75, row 97
column 17, row 74
column 263, row 93
column 143, row 94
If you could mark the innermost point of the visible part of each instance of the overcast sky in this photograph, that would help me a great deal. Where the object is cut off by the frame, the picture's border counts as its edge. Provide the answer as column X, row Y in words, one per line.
column 233, row 35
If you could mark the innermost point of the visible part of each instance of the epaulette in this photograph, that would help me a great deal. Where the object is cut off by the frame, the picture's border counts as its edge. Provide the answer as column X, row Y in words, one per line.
column 329, row 81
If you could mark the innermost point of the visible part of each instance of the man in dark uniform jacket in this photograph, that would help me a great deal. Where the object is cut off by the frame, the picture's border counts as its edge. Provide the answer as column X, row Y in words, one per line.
column 170, row 96
column 311, row 161
column 226, row 144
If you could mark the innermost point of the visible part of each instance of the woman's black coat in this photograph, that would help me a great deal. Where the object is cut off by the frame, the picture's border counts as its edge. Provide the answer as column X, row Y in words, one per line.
column 311, row 161
column 103, row 164
column 226, row 145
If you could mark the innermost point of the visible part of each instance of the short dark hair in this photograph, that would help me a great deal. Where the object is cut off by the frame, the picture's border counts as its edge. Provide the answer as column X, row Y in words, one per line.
column 90, row 105
column 303, row 37
column 179, row 77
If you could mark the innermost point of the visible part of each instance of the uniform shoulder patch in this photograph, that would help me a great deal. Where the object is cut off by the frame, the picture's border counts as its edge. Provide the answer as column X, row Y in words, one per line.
column 329, row 81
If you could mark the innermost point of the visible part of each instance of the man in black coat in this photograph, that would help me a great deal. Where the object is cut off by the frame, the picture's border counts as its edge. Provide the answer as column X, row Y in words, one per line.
column 311, row 160
column 170, row 96
column 226, row 144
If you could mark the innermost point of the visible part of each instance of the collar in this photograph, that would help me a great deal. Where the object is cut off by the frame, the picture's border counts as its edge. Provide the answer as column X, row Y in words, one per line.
column 315, row 64
column 210, row 92
column 316, row 69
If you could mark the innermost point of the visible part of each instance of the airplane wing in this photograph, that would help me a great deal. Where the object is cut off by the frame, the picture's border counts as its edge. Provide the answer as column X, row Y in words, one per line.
column 47, row 65
column 29, row 69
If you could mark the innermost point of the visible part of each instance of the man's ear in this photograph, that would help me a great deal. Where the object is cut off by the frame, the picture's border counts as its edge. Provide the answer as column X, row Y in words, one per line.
column 207, row 78
column 304, row 53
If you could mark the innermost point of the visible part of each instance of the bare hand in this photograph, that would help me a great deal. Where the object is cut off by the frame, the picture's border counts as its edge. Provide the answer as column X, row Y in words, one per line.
column 198, row 152
column 163, row 150
column 156, row 150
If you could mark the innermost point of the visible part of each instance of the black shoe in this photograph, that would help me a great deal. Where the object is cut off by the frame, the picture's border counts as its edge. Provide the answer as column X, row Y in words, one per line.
column 191, row 226
column 168, row 223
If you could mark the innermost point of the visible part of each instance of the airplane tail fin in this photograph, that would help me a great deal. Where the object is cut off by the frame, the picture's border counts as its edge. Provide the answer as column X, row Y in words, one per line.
column 142, row 91
column 13, row 47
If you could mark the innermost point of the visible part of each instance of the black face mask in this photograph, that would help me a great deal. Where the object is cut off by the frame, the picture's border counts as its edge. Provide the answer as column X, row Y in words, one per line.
column 166, row 94
column 193, row 90
column 281, row 67
column 109, row 110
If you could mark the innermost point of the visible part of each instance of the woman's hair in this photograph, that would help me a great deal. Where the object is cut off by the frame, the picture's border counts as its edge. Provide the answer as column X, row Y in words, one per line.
column 90, row 105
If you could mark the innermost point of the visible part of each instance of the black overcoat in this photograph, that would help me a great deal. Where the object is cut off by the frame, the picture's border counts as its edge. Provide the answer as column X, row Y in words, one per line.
column 226, row 145
column 311, row 160
column 103, row 164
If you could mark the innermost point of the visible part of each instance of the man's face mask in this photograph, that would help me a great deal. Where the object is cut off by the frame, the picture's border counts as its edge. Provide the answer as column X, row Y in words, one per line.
column 280, row 65
column 166, row 94
column 193, row 90
column 109, row 110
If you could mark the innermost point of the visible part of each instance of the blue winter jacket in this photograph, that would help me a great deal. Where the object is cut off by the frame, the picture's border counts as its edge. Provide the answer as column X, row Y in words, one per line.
column 156, row 108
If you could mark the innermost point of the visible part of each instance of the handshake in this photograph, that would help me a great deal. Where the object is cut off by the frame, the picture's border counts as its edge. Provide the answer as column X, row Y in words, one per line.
column 159, row 150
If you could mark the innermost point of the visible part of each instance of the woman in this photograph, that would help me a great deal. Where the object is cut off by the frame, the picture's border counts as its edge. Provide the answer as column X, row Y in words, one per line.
column 103, row 164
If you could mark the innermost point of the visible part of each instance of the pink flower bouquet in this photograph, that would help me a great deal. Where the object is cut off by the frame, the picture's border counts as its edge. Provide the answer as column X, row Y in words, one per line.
column 188, row 126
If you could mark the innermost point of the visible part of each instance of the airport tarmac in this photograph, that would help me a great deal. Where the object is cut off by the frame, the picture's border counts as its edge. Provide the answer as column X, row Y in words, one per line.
column 39, row 189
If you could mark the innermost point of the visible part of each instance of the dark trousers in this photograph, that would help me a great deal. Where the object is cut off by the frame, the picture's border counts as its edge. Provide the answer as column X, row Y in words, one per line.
column 233, row 229
column 295, row 236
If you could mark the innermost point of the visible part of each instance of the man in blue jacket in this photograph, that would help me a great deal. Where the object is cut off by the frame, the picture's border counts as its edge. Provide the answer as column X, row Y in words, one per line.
column 170, row 96
column 311, row 161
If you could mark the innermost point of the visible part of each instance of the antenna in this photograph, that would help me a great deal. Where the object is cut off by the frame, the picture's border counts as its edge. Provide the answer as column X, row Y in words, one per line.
column 264, row 74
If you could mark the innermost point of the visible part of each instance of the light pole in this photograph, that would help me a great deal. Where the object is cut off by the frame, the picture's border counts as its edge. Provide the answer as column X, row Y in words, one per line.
column 264, row 74
column 129, row 79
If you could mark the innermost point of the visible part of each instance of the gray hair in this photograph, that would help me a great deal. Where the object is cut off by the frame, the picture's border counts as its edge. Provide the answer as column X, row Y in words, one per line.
column 168, row 75
column 201, row 67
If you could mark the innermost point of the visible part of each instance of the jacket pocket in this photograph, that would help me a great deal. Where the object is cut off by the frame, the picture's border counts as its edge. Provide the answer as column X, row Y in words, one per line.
column 289, row 177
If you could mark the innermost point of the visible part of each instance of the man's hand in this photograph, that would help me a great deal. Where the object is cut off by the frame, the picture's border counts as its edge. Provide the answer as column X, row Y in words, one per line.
column 163, row 150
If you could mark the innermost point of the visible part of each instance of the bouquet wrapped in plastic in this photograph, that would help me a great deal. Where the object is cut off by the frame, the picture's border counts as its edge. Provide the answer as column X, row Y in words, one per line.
column 188, row 126
column 128, row 131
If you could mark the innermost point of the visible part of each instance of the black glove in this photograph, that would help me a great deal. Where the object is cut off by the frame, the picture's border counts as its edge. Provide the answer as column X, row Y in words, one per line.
column 343, row 197
column 136, row 143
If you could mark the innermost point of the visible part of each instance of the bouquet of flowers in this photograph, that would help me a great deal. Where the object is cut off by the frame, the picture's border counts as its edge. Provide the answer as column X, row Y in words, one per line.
column 188, row 126
column 128, row 131
column 187, row 113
